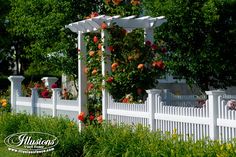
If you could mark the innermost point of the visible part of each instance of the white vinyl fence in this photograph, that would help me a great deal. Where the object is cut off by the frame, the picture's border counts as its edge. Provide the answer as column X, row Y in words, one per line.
column 54, row 106
column 185, row 115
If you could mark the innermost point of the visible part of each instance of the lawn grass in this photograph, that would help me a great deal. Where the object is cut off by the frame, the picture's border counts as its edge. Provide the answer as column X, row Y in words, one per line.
column 4, row 152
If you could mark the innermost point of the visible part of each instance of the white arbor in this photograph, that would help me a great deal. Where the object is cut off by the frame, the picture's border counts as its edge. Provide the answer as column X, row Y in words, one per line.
column 129, row 23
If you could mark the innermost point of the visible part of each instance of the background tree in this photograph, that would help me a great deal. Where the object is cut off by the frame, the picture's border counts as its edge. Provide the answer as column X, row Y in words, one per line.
column 6, row 60
column 201, row 36
column 46, row 46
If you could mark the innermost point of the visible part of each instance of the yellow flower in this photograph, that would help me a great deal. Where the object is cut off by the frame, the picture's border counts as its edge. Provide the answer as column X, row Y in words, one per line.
column 229, row 146
column 71, row 124
column 222, row 147
column 3, row 101
column 4, row 104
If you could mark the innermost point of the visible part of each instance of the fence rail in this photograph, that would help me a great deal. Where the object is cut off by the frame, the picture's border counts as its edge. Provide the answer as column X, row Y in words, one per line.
column 213, row 117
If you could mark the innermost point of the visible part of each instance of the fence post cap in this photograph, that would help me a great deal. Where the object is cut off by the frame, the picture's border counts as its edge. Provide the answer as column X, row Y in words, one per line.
column 153, row 91
column 15, row 77
column 51, row 78
column 215, row 92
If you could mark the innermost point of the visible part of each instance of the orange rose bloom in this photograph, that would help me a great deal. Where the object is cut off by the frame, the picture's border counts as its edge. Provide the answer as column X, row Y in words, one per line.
column 99, row 46
column 135, row 2
column 91, row 53
column 116, row 2
column 86, row 70
column 94, row 72
column 104, row 25
column 99, row 119
column 141, row 66
column 114, row 66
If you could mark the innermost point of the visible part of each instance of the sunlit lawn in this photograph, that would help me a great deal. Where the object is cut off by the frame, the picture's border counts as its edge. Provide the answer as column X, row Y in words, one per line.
column 4, row 152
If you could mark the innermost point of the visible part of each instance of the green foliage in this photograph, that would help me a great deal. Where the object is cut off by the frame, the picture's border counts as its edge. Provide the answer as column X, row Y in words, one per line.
column 46, row 45
column 6, row 59
column 111, row 140
column 70, row 141
column 201, row 37
column 135, row 66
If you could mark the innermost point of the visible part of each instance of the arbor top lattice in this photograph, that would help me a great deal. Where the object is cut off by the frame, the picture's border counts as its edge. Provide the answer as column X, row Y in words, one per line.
column 129, row 23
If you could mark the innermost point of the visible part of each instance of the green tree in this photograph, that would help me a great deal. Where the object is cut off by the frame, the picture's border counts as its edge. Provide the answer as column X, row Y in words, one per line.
column 50, row 48
column 201, row 36
column 5, row 40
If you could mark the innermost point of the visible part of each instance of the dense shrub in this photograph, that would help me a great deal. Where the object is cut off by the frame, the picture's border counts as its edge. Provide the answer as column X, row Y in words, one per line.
column 70, row 141
column 111, row 140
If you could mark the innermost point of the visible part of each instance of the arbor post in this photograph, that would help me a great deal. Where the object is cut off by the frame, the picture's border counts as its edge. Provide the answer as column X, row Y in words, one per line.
column 82, row 78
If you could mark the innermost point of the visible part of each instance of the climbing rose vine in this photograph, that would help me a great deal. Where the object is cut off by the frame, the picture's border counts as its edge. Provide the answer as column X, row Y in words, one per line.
column 135, row 64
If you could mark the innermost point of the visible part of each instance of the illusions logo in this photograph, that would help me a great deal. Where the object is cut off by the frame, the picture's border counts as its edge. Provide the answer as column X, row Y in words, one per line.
column 31, row 142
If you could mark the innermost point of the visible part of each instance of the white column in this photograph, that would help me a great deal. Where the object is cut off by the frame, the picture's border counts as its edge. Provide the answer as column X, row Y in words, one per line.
column 151, row 104
column 82, row 78
column 106, row 68
column 15, row 89
column 149, row 35
column 213, row 112
column 55, row 98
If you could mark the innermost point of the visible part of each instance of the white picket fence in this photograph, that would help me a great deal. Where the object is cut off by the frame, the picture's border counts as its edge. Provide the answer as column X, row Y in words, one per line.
column 185, row 115
column 54, row 106
column 189, row 118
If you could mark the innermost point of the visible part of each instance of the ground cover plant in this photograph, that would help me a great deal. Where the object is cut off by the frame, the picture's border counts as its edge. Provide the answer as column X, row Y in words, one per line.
column 109, row 140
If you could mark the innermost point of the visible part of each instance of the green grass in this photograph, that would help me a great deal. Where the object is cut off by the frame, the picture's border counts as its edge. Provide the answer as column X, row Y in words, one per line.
column 4, row 152
column 108, row 140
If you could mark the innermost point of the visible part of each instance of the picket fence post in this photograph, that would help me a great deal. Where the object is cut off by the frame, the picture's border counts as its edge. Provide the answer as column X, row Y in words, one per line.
column 55, row 98
column 213, row 112
column 167, row 96
column 151, row 105
column 15, row 89
column 34, row 100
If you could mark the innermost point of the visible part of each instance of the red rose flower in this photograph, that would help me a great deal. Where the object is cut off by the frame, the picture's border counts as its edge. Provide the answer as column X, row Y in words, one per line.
column 81, row 116
column 154, row 47
column 125, row 100
column 111, row 48
column 45, row 94
column 148, row 43
column 91, row 117
column 54, row 85
column 95, row 39
column 160, row 64
column 110, row 79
